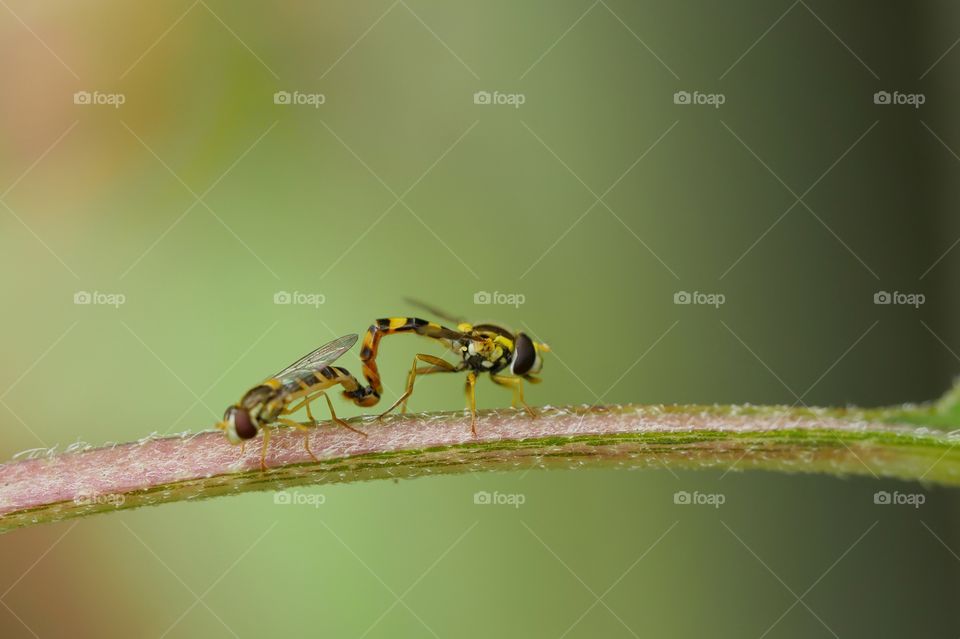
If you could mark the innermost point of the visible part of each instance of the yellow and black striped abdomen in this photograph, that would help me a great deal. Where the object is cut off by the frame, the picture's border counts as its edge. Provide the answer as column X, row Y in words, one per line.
column 303, row 382
column 371, row 344
column 280, row 392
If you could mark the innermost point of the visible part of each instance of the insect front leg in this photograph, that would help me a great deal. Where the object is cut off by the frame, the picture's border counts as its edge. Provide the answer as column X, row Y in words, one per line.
column 516, row 384
column 471, row 391
column 305, row 403
column 265, row 431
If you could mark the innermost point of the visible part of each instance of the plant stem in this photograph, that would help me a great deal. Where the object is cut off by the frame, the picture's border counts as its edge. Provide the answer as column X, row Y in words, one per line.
column 907, row 443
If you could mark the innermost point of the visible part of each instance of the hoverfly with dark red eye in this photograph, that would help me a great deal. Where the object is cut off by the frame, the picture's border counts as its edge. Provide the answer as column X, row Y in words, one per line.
column 268, row 403
column 509, row 357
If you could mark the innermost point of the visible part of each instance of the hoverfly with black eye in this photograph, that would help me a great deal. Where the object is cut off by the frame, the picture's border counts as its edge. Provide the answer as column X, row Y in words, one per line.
column 267, row 404
column 482, row 348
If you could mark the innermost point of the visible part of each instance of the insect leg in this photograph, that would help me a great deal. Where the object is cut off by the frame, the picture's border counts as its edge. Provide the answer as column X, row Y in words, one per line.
column 347, row 381
column 439, row 365
column 471, row 390
column 263, row 451
column 422, row 370
column 515, row 383
column 508, row 382
column 306, row 434
column 333, row 415
column 289, row 410
column 305, row 399
column 371, row 343
column 310, row 416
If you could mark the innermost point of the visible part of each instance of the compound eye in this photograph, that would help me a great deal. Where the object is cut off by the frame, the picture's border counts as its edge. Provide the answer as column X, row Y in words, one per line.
column 524, row 355
column 241, row 423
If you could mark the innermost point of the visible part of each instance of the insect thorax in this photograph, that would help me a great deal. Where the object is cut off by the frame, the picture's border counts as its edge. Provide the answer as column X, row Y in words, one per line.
column 258, row 395
column 489, row 356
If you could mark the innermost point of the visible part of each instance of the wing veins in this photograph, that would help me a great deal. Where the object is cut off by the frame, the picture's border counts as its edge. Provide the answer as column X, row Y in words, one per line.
column 322, row 356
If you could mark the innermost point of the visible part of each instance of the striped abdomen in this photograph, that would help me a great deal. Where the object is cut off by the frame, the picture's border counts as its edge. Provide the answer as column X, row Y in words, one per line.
column 371, row 343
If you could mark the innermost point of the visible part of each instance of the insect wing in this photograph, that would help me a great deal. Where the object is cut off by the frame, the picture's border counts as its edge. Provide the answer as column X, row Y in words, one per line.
column 326, row 354
column 433, row 310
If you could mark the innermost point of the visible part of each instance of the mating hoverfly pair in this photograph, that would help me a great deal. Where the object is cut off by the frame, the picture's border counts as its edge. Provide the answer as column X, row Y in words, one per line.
column 482, row 348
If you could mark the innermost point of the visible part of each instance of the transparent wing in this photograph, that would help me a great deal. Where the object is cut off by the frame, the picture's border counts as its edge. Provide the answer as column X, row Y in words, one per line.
column 326, row 354
column 443, row 333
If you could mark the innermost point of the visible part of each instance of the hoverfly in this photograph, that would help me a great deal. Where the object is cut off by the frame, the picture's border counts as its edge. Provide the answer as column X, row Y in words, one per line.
column 268, row 403
column 482, row 348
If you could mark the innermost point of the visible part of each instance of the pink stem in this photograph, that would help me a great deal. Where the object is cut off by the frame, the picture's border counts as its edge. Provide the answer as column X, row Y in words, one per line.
column 167, row 469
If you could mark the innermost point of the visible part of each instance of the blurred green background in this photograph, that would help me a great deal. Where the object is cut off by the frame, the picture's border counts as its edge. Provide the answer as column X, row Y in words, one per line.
column 200, row 199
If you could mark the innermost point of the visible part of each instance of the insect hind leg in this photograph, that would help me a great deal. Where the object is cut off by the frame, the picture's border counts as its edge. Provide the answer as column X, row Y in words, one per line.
column 345, row 379
column 437, row 366
column 370, row 395
column 423, row 370
column 333, row 416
